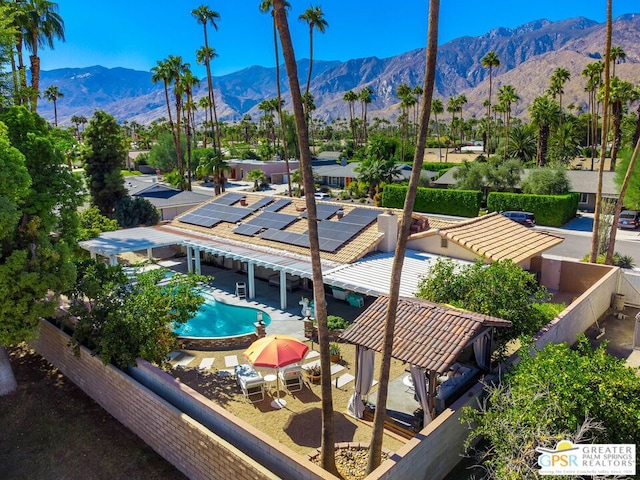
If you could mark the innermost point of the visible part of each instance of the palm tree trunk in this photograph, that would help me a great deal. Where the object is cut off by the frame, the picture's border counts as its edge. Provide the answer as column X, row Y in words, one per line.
column 35, row 80
column 375, row 449
column 327, row 445
column 605, row 129
column 619, row 203
column 7, row 378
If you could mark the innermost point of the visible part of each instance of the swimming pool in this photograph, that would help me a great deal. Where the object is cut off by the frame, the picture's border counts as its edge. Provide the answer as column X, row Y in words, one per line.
column 217, row 319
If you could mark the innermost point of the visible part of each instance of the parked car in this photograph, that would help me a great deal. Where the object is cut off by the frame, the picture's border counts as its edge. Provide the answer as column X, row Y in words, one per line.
column 629, row 219
column 322, row 196
column 523, row 218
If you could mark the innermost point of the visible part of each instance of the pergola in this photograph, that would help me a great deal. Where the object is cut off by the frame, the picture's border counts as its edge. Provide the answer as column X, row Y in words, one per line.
column 429, row 336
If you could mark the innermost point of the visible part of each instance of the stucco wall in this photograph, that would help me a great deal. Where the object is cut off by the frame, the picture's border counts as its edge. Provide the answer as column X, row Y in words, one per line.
column 630, row 288
column 432, row 244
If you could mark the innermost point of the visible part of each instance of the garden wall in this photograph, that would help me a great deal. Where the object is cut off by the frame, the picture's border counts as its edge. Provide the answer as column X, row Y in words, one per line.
column 630, row 288
column 181, row 440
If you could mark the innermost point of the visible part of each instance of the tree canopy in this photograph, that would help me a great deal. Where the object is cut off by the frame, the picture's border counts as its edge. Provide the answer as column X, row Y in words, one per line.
column 122, row 320
column 560, row 393
column 546, row 181
column 39, row 201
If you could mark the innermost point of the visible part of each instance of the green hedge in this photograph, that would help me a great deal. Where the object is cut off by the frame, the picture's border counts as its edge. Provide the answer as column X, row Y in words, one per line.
column 463, row 203
column 550, row 210
column 440, row 167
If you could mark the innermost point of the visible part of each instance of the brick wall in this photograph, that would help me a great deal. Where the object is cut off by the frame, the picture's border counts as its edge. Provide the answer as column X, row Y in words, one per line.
column 182, row 441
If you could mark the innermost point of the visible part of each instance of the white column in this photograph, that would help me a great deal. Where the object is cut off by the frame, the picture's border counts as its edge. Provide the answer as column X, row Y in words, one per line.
column 113, row 260
column 283, row 290
column 196, row 252
column 189, row 259
column 150, row 253
column 92, row 254
column 252, row 280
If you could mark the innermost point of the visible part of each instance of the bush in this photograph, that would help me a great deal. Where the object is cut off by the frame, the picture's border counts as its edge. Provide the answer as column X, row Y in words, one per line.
column 336, row 323
column 622, row 261
column 464, row 203
column 551, row 210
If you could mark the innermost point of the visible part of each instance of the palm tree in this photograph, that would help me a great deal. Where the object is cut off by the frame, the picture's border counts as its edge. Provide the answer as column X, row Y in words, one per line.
column 161, row 72
column 52, row 94
column 212, row 164
column 327, row 445
column 593, row 73
column 365, row 99
column 490, row 60
column 617, row 53
column 267, row 6
column 78, row 120
column 205, row 104
column 405, row 94
column 544, row 113
column 559, row 77
column 605, row 130
column 187, row 82
column 204, row 15
column 621, row 93
column 315, row 19
column 461, row 101
column 375, row 448
column 351, row 97
column 508, row 96
column 522, row 143
column 437, row 108
column 41, row 25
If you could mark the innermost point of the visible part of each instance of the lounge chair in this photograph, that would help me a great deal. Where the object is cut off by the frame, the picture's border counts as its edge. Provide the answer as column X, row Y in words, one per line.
column 291, row 377
column 241, row 290
column 250, row 382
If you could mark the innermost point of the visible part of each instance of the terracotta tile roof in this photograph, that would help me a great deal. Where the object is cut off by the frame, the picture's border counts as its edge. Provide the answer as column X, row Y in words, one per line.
column 427, row 334
column 496, row 237
column 364, row 242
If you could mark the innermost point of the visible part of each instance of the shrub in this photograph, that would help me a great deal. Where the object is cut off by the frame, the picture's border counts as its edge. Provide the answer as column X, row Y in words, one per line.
column 335, row 322
column 551, row 210
column 464, row 203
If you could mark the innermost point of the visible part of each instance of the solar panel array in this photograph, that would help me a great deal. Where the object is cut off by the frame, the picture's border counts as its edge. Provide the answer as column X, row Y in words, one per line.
column 324, row 210
column 264, row 201
column 215, row 212
column 269, row 220
column 229, row 198
column 278, row 205
column 200, row 220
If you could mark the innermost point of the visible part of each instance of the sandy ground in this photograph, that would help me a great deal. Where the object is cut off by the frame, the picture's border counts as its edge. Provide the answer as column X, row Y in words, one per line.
column 298, row 424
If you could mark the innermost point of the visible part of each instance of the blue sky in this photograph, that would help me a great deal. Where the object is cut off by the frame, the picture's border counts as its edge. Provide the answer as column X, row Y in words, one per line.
column 137, row 33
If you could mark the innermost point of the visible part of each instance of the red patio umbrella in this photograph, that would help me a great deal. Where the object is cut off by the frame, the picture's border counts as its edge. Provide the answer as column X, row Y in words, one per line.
column 276, row 351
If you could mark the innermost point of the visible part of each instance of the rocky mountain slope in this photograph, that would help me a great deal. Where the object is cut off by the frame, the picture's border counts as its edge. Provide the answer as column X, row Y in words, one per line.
column 528, row 55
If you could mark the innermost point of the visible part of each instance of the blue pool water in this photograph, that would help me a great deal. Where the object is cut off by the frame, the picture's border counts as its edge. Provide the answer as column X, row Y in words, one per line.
column 217, row 319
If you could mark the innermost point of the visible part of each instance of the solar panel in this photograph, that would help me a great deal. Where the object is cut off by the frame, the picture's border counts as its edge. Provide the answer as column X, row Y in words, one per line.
column 290, row 238
column 260, row 203
column 275, row 220
column 225, row 213
column 229, row 198
column 324, row 210
column 361, row 216
column 200, row 220
column 246, row 229
column 278, row 205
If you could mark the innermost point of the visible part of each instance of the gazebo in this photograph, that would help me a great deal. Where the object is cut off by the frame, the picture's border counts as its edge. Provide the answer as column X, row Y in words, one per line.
column 428, row 336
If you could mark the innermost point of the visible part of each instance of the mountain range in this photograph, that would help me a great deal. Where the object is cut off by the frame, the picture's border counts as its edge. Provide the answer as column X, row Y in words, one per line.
column 528, row 55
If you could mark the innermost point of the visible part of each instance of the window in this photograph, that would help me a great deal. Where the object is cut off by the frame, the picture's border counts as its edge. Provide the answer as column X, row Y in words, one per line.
column 444, row 242
column 584, row 197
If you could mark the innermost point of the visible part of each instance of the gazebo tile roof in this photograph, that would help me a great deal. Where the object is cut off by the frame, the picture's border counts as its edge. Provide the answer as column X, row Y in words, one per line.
column 427, row 334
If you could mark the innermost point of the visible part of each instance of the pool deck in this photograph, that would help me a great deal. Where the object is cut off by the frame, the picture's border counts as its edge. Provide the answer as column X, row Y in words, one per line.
column 287, row 322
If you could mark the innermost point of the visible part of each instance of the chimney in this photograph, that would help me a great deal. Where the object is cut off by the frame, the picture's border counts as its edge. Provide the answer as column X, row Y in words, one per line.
column 388, row 225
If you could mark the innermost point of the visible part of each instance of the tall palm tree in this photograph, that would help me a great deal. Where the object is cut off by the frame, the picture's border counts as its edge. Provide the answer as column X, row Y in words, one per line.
column 351, row 97
column 205, row 104
column 490, row 61
column 375, row 448
column 52, row 93
column 327, row 446
column 187, row 82
column 593, row 255
column 508, row 96
column 365, row 99
column 42, row 25
column 267, row 6
column 205, row 16
column 593, row 73
column 621, row 93
column 544, row 113
column 617, row 53
column 437, row 108
column 559, row 77
column 162, row 73
column 314, row 17
column 461, row 101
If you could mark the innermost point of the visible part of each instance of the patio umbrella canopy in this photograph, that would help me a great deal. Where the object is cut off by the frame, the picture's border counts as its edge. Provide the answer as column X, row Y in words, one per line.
column 276, row 351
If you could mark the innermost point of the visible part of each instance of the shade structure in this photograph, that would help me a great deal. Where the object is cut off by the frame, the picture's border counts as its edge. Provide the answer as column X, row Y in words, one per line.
column 276, row 351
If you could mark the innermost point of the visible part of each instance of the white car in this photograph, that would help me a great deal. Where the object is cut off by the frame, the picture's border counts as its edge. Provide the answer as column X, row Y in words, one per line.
column 322, row 196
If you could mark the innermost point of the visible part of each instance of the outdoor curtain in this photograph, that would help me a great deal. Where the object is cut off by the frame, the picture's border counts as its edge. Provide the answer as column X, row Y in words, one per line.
column 421, row 386
column 364, row 379
column 482, row 350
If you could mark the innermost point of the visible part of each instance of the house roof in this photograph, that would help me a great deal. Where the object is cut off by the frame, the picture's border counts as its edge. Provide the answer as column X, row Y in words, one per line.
column 582, row 181
column 131, row 240
column 427, row 334
column 353, row 249
column 162, row 195
column 495, row 237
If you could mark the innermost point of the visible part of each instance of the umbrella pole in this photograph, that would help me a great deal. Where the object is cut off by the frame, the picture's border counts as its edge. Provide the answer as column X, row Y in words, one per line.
column 277, row 403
